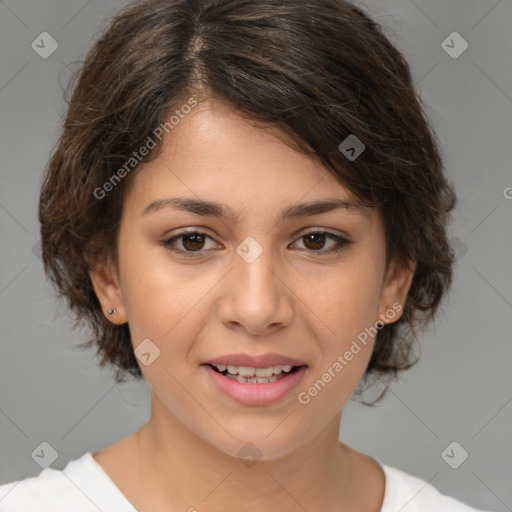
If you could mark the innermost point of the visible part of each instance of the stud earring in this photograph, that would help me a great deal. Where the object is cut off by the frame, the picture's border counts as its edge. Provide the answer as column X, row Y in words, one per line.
column 112, row 311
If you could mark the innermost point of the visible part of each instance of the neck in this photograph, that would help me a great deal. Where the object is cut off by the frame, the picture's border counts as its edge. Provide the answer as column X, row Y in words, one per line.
column 179, row 468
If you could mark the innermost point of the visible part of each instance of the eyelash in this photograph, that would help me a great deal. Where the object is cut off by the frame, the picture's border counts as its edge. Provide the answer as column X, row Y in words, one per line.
column 169, row 243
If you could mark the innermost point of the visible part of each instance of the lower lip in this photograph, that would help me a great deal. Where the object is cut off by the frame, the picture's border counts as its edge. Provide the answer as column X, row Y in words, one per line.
column 256, row 394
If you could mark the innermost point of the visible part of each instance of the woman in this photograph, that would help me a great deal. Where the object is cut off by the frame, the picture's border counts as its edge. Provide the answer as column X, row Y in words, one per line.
column 248, row 208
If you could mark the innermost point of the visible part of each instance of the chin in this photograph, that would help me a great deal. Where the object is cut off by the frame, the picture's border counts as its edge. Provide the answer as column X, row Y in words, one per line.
column 250, row 443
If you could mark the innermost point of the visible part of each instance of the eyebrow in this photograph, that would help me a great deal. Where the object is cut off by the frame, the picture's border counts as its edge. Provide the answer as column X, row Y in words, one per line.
column 215, row 209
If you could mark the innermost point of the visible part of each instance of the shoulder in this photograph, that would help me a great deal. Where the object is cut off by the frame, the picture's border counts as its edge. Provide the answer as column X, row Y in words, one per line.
column 81, row 486
column 409, row 493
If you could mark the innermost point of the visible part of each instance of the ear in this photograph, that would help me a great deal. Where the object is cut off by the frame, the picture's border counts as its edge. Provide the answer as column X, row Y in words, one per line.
column 395, row 288
column 105, row 282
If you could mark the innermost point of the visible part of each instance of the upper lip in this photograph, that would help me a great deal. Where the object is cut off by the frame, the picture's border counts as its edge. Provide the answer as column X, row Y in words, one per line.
column 261, row 361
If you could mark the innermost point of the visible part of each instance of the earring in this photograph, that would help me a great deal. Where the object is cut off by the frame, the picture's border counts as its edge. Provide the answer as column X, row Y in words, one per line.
column 112, row 311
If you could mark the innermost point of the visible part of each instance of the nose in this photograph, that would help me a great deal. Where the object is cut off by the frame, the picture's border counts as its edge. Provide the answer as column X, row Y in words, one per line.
column 255, row 296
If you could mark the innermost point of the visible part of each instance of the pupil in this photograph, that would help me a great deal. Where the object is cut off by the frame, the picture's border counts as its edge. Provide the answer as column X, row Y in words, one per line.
column 311, row 238
column 193, row 237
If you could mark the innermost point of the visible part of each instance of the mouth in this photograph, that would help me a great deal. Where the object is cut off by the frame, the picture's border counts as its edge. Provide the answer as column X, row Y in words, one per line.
column 252, row 375
column 255, row 386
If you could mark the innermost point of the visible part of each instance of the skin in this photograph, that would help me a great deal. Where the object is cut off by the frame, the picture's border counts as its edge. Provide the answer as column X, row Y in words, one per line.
column 293, row 300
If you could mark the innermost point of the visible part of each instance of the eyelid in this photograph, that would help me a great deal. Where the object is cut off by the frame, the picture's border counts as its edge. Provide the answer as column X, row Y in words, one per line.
column 342, row 240
column 166, row 242
column 304, row 231
column 340, row 233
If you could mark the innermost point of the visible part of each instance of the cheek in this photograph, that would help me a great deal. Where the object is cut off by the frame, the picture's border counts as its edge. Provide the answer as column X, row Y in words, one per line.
column 156, row 293
column 347, row 303
column 348, row 300
column 168, row 304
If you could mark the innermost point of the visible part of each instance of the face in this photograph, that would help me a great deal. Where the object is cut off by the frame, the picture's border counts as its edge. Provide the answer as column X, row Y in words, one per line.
column 256, row 288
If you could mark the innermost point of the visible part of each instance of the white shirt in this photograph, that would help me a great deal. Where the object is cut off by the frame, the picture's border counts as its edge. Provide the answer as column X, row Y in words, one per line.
column 83, row 486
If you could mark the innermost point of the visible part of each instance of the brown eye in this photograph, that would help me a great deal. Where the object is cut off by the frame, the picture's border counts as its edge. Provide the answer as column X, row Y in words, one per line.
column 190, row 241
column 193, row 242
column 315, row 241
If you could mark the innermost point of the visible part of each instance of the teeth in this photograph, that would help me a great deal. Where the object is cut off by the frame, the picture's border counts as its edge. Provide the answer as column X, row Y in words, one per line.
column 264, row 372
column 247, row 371
column 252, row 380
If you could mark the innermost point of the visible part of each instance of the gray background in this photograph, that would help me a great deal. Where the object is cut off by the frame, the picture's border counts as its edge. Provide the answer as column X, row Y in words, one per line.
column 462, row 388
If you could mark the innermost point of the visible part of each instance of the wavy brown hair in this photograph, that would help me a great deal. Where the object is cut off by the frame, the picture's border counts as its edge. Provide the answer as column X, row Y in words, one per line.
column 318, row 70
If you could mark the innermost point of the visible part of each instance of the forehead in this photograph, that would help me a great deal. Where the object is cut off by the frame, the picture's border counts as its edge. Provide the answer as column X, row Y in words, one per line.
column 214, row 160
